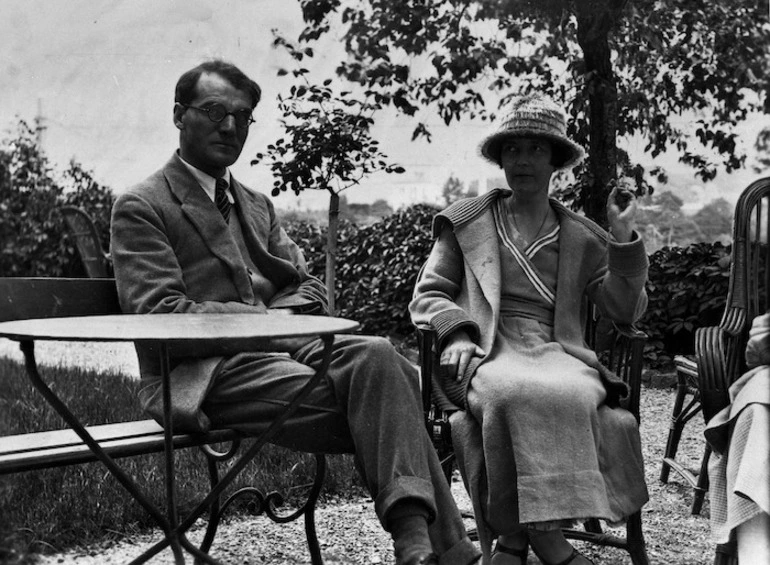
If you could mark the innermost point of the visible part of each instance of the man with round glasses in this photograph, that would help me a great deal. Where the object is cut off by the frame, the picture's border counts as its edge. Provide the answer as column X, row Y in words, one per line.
column 191, row 238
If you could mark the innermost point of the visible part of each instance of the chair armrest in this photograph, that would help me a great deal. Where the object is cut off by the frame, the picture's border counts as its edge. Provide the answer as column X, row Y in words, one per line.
column 626, row 357
column 426, row 346
column 436, row 420
column 713, row 380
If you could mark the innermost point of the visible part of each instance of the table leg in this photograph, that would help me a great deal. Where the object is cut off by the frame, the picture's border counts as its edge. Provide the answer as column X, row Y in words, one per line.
column 177, row 532
column 168, row 437
column 28, row 349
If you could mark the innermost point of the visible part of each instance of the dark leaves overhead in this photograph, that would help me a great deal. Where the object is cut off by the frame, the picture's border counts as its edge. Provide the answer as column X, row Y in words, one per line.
column 681, row 66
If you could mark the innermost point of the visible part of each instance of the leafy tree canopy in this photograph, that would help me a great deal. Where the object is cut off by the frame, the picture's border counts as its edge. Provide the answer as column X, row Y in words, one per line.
column 680, row 74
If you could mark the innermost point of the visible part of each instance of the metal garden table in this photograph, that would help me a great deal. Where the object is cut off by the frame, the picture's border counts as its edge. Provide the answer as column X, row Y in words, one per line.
column 243, row 332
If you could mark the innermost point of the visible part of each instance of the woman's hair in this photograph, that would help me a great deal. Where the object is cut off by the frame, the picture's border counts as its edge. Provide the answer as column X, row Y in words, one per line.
column 187, row 83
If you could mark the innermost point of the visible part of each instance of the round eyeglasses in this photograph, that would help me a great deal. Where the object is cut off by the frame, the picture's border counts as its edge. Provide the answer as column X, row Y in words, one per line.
column 217, row 113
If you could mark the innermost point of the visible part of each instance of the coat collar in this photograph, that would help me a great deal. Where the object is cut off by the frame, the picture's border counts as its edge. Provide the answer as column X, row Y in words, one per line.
column 474, row 227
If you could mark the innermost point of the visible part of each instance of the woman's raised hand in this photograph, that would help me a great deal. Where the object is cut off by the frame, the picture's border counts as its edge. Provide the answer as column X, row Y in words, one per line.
column 457, row 353
column 621, row 214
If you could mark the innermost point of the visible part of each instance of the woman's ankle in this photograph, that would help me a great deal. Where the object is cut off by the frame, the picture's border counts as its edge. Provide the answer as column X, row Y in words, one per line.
column 517, row 540
column 511, row 549
column 549, row 545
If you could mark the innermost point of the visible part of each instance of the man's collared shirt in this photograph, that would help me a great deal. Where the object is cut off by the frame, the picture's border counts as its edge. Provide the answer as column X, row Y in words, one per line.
column 208, row 183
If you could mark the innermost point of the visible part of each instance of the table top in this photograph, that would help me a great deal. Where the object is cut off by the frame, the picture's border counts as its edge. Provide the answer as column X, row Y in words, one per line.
column 175, row 327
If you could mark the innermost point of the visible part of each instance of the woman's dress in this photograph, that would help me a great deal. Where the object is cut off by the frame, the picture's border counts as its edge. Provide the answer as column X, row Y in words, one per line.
column 553, row 452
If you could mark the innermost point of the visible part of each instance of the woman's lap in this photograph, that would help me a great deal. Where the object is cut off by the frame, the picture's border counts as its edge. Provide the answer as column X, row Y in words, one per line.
column 541, row 423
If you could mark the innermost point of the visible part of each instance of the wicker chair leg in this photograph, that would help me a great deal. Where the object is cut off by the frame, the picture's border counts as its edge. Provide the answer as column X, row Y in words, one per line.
column 702, row 487
column 675, row 428
column 727, row 553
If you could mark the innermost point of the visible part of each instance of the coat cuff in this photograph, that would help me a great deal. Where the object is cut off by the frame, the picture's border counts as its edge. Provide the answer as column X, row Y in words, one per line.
column 628, row 259
column 449, row 321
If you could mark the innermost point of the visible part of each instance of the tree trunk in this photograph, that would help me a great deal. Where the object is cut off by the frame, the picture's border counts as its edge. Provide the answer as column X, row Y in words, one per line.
column 331, row 249
column 596, row 18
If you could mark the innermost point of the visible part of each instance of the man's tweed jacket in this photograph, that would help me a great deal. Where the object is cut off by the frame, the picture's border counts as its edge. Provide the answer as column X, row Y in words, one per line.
column 172, row 252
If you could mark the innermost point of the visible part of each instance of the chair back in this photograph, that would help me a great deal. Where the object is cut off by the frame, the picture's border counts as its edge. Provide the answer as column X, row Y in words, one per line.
column 23, row 298
column 86, row 238
column 747, row 295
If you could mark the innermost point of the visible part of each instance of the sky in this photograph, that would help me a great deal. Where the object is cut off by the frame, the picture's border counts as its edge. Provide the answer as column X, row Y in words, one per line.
column 101, row 73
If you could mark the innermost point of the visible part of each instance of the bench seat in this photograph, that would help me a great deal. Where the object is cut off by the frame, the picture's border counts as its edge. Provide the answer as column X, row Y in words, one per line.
column 26, row 452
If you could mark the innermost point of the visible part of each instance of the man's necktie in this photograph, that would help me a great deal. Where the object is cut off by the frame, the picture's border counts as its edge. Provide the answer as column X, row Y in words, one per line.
column 221, row 200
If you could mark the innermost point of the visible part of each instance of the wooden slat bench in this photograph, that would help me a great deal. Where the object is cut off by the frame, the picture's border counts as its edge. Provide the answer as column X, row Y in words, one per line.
column 42, row 450
column 39, row 298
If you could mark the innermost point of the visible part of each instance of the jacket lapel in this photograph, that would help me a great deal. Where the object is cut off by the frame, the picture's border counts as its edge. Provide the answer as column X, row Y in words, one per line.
column 281, row 272
column 199, row 209
column 573, row 269
column 479, row 244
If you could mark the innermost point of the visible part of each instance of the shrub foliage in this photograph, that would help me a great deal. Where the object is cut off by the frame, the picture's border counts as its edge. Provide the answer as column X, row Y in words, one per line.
column 377, row 266
column 32, row 231
column 687, row 289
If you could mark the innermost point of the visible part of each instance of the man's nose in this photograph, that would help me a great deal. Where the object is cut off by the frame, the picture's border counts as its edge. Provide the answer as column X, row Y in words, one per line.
column 227, row 123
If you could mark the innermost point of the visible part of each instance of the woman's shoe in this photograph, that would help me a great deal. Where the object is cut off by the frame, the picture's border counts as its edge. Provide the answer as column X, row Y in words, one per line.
column 520, row 553
column 574, row 555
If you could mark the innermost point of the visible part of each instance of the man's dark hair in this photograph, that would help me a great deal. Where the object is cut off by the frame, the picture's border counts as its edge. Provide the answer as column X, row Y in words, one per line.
column 186, row 85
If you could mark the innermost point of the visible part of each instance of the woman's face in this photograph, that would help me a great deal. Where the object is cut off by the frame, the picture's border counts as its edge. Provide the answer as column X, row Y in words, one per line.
column 527, row 163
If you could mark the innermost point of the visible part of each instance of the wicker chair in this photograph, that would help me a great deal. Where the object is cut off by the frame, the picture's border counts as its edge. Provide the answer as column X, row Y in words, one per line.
column 720, row 350
column 686, row 392
column 83, row 231
column 620, row 349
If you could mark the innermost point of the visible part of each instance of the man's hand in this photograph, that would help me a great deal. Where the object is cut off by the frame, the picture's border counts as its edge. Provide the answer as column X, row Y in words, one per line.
column 621, row 214
column 457, row 353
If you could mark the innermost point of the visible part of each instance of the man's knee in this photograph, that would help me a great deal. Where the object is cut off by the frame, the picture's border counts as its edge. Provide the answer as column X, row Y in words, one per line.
column 370, row 349
column 375, row 358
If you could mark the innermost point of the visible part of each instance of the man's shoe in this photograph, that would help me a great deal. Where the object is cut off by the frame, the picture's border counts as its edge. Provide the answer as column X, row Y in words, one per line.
column 419, row 558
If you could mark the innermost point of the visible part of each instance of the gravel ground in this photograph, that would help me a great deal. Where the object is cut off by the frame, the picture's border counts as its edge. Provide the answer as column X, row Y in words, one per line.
column 349, row 531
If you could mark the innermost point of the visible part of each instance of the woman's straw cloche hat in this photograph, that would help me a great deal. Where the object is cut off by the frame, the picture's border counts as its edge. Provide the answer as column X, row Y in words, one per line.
column 538, row 116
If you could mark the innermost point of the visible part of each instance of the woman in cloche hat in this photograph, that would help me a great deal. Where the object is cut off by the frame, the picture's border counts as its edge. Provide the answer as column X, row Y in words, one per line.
column 536, row 424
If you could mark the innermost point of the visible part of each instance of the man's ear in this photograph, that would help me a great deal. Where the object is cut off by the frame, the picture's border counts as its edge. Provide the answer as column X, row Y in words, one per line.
column 179, row 111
